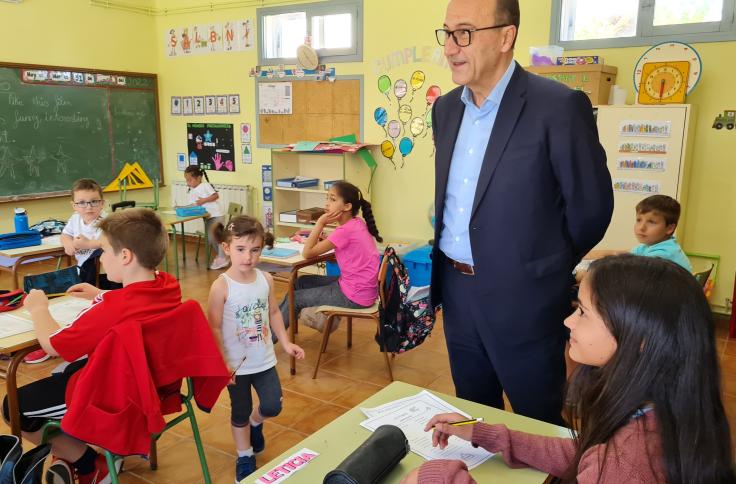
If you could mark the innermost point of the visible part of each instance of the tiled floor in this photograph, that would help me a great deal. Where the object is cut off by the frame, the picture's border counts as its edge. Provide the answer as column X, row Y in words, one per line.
column 346, row 377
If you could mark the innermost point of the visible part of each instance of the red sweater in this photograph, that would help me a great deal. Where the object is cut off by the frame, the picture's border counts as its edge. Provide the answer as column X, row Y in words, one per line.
column 627, row 459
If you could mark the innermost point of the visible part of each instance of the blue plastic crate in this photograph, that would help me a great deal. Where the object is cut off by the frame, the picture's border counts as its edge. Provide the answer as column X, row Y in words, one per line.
column 190, row 211
column 419, row 265
column 332, row 269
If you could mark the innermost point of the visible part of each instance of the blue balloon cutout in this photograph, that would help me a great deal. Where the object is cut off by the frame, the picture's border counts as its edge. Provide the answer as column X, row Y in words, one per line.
column 381, row 116
column 405, row 146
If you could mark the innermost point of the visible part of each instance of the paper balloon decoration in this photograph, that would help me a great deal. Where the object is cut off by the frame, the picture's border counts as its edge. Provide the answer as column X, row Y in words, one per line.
column 381, row 116
column 405, row 113
column 400, row 88
column 432, row 94
column 394, row 128
column 417, row 80
column 388, row 149
column 416, row 127
column 405, row 146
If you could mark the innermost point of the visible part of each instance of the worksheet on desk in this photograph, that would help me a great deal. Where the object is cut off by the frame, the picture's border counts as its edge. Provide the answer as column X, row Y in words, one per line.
column 11, row 325
column 413, row 415
column 64, row 312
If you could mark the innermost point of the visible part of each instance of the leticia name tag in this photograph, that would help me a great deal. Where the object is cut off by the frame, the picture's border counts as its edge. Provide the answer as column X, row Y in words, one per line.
column 288, row 467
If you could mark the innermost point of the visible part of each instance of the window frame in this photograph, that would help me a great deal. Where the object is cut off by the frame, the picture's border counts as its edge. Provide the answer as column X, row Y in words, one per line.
column 648, row 34
column 331, row 7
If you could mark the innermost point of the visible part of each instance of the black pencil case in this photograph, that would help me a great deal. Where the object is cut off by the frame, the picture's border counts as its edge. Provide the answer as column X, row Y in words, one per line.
column 373, row 460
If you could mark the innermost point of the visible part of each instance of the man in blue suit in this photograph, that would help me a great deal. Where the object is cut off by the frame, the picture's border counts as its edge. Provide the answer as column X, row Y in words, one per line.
column 522, row 192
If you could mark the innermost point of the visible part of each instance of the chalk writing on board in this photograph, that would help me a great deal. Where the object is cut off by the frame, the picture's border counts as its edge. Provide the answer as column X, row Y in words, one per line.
column 62, row 161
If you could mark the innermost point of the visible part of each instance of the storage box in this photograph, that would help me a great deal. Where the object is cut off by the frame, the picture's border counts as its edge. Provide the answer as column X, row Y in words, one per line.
column 545, row 55
column 595, row 80
column 418, row 263
column 309, row 215
column 288, row 217
column 190, row 211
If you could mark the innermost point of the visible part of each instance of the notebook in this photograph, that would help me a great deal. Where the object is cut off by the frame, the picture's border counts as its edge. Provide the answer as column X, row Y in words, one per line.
column 279, row 252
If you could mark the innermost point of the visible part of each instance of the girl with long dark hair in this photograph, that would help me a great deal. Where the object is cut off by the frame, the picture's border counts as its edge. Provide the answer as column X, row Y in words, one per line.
column 645, row 401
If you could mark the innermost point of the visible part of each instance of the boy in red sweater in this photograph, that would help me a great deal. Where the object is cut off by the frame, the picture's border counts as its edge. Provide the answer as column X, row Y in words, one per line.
column 134, row 242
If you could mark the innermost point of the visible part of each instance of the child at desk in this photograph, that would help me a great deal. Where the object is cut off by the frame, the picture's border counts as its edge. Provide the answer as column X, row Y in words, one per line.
column 355, row 252
column 656, row 221
column 133, row 243
column 241, row 309
column 203, row 194
column 645, row 401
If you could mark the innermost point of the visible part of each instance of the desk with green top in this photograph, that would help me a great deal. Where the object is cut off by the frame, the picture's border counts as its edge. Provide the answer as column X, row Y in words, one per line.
column 335, row 441
column 169, row 218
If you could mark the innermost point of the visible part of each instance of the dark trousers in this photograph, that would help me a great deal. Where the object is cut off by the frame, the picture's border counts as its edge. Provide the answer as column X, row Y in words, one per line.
column 88, row 273
column 484, row 364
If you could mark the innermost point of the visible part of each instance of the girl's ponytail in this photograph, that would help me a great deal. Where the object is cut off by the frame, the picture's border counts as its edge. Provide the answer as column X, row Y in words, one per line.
column 365, row 207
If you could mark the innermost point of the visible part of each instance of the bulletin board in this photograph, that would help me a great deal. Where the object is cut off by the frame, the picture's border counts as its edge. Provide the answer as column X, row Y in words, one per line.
column 320, row 110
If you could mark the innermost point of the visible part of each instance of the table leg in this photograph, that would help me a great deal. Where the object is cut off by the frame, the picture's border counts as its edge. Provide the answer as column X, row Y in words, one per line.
column 12, row 388
column 176, row 254
column 292, row 316
column 206, row 245
column 183, row 242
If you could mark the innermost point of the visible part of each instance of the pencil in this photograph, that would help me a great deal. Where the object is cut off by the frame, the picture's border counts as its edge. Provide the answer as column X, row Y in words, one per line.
column 464, row 422
column 56, row 294
column 236, row 369
column 16, row 300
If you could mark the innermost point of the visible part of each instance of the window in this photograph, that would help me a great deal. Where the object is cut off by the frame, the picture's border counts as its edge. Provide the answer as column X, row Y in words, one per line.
column 583, row 24
column 335, row 27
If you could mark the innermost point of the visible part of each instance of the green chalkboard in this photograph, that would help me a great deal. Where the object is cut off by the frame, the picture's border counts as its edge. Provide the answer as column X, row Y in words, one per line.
column 59, row 124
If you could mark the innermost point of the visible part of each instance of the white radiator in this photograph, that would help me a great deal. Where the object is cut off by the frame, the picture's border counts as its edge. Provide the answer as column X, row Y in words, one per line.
column 242, row 194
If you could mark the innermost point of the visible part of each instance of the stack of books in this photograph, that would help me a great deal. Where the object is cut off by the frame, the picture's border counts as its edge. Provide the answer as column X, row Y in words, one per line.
column 297, row 182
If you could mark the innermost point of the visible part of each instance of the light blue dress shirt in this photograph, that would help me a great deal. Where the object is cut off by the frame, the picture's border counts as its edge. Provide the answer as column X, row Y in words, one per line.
column 467, row 159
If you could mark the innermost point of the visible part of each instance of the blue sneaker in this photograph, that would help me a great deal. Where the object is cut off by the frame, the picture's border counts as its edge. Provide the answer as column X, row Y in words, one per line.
column 256, row 438
column 244, row 466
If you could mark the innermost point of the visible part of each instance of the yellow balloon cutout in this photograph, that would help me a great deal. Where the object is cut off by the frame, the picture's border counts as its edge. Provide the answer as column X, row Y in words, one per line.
column 417, row 80
column 388, row 149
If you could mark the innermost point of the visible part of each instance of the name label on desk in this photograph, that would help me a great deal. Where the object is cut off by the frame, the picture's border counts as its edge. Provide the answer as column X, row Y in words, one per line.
column 288, row 467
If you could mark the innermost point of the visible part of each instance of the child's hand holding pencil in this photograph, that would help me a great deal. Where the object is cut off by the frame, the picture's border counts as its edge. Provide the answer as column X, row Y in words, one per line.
column 446, row 424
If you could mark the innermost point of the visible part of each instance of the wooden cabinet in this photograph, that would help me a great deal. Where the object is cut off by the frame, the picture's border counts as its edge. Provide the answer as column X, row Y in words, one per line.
column 323, row 166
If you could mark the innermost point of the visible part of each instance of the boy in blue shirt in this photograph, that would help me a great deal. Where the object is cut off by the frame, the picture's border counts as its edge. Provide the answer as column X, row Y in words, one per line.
column 656, row 221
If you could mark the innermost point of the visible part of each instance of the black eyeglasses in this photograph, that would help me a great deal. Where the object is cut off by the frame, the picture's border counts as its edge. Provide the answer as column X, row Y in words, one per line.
column 91, row 203
column 462, row 37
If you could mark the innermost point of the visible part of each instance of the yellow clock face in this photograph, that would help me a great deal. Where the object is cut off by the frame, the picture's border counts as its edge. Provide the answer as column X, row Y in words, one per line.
column 664, row 82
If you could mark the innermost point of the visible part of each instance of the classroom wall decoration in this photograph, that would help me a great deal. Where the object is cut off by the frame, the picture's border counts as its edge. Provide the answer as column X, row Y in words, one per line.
column 659, row 164
column 211, row 146
column 642, row 147
column 413, row 112
column 230, row 36
column 647, row 187
column 220, row 104
column 650, row 129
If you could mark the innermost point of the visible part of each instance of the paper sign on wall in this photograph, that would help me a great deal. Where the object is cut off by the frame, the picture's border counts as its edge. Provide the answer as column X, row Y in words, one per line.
column 274, row 98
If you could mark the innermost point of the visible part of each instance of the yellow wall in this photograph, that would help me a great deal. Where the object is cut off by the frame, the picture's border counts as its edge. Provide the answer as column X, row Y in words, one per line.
column 395, row 32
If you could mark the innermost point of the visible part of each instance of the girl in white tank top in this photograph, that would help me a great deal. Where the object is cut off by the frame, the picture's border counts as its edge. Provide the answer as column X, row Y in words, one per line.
column 242, row 311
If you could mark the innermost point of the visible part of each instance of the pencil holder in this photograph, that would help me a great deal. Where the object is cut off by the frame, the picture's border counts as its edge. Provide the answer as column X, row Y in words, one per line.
column 373, row 460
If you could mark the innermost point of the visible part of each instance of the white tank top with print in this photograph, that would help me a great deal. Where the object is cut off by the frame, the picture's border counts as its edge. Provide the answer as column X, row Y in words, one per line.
column 245, row 326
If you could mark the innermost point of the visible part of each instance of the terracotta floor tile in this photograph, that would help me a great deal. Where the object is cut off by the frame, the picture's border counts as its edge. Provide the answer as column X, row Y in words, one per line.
column 356, row 394
column 320, row 417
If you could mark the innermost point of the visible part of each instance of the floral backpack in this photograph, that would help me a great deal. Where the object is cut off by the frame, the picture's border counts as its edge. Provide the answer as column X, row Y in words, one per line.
column 405, row 322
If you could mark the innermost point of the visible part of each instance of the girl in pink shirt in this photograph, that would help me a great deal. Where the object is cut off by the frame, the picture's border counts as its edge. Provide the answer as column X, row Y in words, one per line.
column 355, row 252
column 645, row 401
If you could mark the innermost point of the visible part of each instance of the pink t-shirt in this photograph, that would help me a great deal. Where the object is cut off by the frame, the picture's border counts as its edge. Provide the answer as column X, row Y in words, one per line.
column 357, row 257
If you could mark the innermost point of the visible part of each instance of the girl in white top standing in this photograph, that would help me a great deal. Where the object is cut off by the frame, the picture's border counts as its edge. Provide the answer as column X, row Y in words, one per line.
column 242, row 309
column 201, row 193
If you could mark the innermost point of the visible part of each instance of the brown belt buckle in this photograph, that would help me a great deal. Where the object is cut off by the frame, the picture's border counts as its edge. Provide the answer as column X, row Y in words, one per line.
column 463, row 268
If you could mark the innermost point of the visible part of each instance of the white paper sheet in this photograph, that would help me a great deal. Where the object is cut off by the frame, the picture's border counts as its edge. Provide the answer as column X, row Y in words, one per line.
column 64, row 312
column 11, row 325
column 411, row 415
column 274, row 98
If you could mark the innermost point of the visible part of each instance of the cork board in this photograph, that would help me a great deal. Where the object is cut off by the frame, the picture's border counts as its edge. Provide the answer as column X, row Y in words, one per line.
column 320, row 110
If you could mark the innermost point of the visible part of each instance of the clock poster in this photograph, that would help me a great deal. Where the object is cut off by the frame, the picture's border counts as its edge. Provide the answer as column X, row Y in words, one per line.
column 210, row 146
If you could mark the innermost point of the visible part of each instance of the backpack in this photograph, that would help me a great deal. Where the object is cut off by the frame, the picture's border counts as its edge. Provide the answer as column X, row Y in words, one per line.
column 404, row 324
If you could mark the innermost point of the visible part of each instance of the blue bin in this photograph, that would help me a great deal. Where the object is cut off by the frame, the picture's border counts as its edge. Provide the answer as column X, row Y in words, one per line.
column 419, row 265
column 332, row 269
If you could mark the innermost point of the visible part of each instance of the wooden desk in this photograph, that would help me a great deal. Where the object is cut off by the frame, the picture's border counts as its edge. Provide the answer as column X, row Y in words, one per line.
column 338, row 439
column 46, row 249
column 17, row 347
column 293, row 264
column 168, row 217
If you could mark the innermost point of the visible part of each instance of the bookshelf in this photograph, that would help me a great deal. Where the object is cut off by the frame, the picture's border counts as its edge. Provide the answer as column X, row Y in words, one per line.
column 325, row 167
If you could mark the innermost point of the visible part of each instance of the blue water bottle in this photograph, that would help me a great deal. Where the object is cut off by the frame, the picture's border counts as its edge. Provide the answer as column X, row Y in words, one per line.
column 21, row 220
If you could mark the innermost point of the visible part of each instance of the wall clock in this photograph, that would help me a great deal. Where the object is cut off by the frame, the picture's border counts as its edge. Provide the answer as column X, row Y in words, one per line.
column 671, row 52
column 664, row 82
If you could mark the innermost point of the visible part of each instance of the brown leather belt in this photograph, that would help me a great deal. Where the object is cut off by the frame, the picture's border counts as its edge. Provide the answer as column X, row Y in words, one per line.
column 461, row 267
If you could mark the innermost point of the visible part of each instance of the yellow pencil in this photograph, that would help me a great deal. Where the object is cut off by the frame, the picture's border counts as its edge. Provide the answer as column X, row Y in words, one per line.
column 465, row 422
column 56, row 294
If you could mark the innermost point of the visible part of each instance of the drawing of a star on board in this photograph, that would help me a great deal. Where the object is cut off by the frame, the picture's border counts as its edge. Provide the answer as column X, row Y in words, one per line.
column 6, row 166
column 208, row 137
column 33, row 161
column 61, row 160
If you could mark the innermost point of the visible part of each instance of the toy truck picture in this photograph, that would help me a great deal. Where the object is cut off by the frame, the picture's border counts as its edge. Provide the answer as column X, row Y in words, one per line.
column 727, row 119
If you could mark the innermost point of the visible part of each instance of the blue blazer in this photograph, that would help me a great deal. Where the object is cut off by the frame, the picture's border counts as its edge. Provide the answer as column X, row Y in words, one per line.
column 543, row 200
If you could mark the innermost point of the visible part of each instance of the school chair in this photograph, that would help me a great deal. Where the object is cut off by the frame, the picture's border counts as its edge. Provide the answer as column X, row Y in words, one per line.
column 233, row 210
column 122, row 205
column 332, row 312
column 152, row 205
column 152, row 331
column 702, row 276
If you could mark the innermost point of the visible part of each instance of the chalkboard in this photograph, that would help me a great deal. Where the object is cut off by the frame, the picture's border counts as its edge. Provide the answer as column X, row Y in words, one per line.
column 58, row 124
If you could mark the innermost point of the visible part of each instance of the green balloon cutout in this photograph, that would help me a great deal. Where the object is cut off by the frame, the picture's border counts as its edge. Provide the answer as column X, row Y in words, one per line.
column 384, row 84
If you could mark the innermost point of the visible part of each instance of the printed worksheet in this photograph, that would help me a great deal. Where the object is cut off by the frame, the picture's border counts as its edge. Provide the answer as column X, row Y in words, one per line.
column 11, row 325
column 65, row 311
column 412, row 416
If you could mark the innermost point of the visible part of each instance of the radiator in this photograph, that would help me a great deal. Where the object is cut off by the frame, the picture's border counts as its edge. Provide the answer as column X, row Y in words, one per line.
column 242, row 194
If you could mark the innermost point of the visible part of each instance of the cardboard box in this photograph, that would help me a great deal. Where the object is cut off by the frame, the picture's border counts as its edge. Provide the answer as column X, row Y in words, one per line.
column 595, row 80
column 288, row 217
column 309, row 215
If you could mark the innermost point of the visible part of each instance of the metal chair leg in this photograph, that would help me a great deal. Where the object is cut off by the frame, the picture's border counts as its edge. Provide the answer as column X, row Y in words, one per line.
column 153, row 458
column 198, row 443
column 325, row 339
column 350, row 332
column 110, row 458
